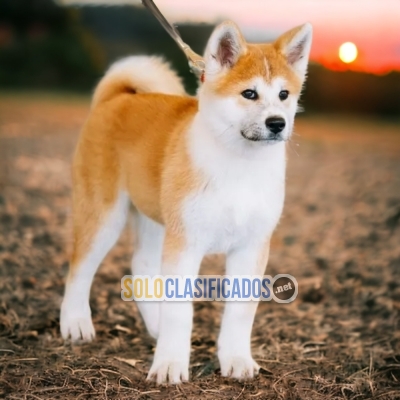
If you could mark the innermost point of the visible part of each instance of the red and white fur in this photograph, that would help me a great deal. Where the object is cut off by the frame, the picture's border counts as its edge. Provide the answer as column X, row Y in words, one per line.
column 204, row 175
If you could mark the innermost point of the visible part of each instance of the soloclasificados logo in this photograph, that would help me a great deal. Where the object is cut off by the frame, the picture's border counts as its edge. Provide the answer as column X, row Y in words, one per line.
column 282, row 288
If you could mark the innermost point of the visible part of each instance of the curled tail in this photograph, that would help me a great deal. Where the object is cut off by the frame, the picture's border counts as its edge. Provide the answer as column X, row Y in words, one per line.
column 138, row 74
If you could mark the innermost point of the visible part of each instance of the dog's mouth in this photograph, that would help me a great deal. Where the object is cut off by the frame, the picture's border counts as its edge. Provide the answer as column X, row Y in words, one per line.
column 271, row 138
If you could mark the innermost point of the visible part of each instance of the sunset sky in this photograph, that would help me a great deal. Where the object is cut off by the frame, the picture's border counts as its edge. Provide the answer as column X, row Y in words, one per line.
column 373, row 25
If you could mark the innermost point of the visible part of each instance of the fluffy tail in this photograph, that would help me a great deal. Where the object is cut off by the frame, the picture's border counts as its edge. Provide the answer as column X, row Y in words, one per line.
column 138, row 74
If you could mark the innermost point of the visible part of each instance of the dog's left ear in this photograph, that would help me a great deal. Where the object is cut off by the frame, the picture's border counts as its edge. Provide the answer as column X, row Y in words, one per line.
column 224, row 48
column 295, row 46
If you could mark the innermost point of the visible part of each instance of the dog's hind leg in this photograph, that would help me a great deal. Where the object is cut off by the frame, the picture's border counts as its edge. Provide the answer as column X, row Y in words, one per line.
column 149, row 238
column 97, row 227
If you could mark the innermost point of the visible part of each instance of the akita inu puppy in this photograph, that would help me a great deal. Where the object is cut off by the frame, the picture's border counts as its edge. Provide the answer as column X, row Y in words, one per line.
column 204, row 175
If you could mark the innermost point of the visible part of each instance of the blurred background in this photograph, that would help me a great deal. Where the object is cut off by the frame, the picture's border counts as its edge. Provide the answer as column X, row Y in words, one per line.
column 67, row 44
column 339, row 234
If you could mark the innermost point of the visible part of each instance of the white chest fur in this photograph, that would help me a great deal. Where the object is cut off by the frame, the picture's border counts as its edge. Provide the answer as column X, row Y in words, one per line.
column 242, row 196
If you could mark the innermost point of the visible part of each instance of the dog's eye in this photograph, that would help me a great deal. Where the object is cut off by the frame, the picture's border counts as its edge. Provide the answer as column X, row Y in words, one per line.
column 283, row 94
column 250, row 94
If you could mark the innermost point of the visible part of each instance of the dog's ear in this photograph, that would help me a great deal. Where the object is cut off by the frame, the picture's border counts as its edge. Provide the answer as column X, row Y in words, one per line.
column 295, row 45
column 224, row 48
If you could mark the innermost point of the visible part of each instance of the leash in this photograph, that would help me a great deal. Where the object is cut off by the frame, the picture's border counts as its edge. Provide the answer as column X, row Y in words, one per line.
column 196, row 62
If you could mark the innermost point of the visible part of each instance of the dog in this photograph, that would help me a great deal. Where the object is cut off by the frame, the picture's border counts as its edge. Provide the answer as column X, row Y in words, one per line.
column 200, row 175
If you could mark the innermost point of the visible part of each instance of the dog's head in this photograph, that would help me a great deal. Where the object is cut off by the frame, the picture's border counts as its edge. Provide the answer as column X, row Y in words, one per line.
column 250, row 91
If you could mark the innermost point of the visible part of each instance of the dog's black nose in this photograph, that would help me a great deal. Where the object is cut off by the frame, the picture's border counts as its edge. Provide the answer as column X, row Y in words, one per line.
column 275, row 124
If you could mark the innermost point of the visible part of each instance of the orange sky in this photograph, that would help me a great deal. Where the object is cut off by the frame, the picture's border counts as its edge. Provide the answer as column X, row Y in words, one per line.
column 373, row 25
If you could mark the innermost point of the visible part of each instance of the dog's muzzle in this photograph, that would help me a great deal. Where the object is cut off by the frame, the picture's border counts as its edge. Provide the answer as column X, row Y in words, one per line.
column 275, row 126
column 268, row 138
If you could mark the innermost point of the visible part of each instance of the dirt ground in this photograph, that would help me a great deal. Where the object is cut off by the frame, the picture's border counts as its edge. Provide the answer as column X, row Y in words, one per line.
column 339, row 236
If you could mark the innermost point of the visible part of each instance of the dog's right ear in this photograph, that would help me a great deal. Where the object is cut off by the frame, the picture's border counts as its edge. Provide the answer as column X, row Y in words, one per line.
column 224, row 48
column 295, row 45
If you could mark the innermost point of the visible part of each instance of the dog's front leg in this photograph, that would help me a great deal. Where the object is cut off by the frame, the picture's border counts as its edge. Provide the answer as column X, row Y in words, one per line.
column 171, row 359
column 234, row 342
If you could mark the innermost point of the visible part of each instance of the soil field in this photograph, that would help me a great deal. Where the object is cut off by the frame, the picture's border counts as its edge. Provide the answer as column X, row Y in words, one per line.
column 339, row 236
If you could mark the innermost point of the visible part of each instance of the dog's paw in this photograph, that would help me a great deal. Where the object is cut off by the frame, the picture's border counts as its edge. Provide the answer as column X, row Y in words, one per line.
column 76, row 325
column 169, row 371
column 238, row 367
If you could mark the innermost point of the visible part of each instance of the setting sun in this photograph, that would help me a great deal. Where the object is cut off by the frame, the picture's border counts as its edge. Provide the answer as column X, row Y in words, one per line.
column 348, row 52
